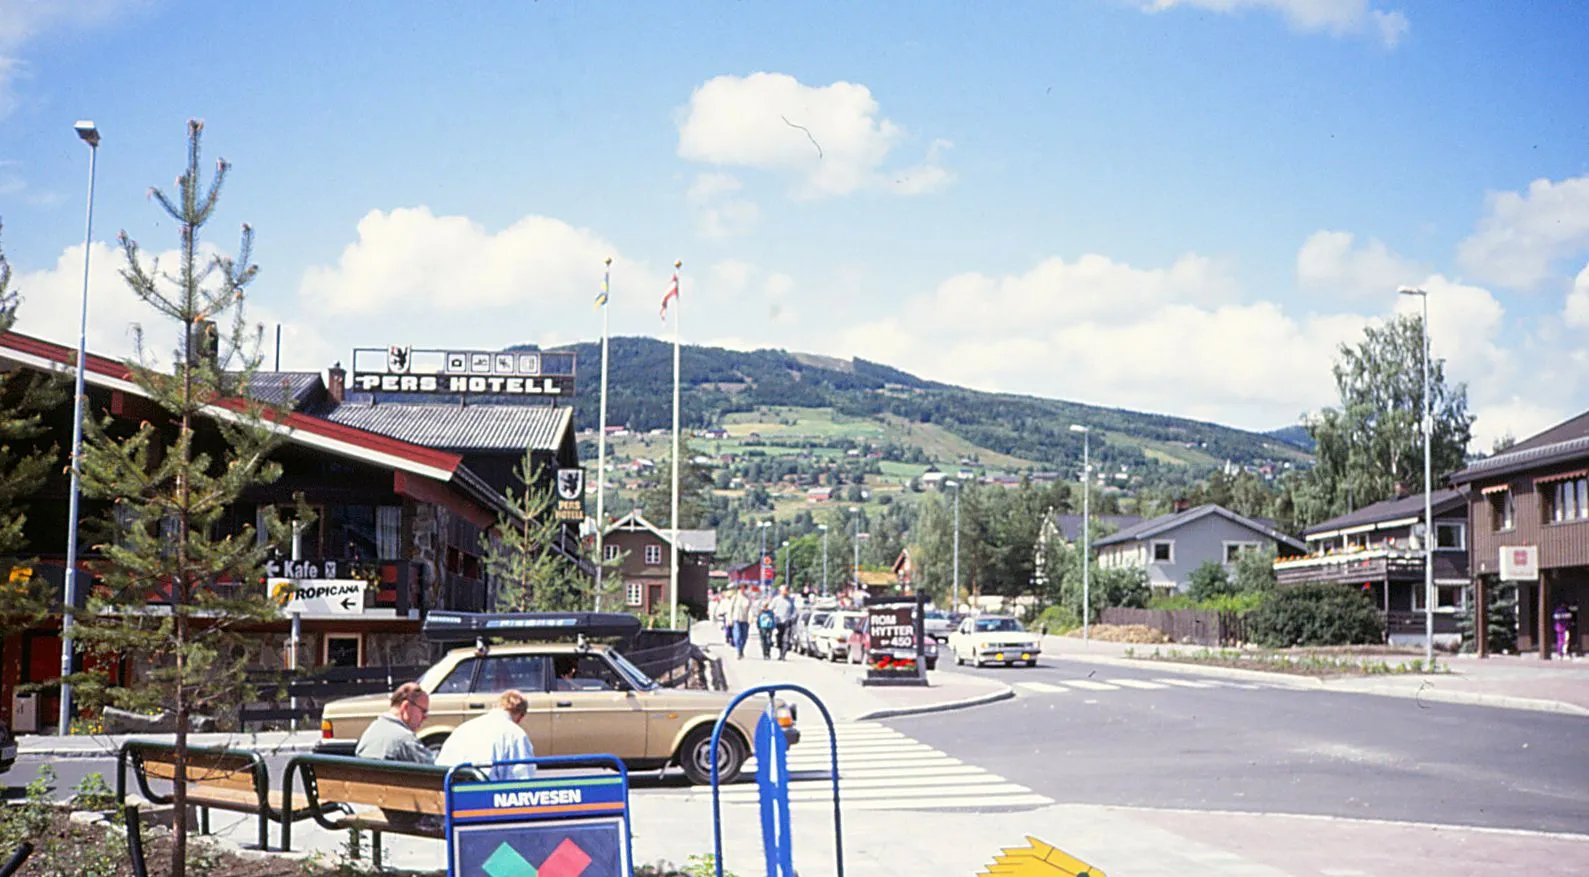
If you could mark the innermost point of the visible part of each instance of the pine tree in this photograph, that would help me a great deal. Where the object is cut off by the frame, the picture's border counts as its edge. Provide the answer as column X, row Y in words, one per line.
column 527, row 575
column 170, row 485
column 24, row 597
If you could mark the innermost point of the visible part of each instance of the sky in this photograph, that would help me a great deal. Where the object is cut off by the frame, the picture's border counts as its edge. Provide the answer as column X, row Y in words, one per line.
column 1178, row 206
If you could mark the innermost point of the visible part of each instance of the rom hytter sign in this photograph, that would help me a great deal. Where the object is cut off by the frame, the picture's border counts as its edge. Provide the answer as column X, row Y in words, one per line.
column 399, row 369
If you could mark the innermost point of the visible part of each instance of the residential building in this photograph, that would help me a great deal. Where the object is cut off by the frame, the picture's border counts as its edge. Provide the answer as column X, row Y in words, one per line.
column 1378, row 549
column 1067, row 530
column 1531, row 501
column 1170, row 546
column 646, row 570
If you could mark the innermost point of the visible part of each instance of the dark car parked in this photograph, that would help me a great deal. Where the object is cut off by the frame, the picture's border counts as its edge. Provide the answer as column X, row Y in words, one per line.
column 8, row 748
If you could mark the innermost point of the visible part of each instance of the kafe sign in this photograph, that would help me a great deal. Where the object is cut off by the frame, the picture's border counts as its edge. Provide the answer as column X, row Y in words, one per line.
column 318, row 596
column 399, row 369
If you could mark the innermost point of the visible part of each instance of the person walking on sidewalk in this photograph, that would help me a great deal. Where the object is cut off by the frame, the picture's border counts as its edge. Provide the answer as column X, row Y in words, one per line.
column 783, row 613
column 766, row 626
column 737, row 613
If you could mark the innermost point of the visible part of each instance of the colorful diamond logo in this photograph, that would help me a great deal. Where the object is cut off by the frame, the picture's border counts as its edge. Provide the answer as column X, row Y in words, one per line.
column 506, row 862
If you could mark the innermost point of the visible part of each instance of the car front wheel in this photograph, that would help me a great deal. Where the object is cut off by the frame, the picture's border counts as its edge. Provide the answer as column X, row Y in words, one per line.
column 695, row 756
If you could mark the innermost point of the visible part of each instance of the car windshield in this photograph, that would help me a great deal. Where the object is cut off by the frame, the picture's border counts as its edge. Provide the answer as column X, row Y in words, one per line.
column 852, row 622
column 993, row 625
column 636, row 675
column 937, row 616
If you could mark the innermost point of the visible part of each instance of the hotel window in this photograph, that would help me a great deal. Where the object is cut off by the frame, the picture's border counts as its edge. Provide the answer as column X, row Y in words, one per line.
column 609, row 551
column 343, row 650
column 388, row 532
column 653, row 555
column 1569, row 500
column 1163, row 552
column 635, row 593
column 1450, row 536
column 1502, row 510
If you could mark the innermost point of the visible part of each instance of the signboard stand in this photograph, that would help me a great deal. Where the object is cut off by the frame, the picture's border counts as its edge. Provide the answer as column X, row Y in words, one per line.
column 576, row 823
column 772, row 779
column 895, row 633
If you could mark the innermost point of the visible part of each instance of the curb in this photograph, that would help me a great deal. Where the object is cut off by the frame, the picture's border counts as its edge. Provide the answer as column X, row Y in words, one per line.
column 1006, row 692
column 1428, row 691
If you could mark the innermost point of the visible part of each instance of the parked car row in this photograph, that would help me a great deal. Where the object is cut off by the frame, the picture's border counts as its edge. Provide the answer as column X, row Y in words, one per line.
column 841, row 635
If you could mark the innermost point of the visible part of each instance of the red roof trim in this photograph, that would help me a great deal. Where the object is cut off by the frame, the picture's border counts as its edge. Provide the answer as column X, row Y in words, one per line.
column 297, row 421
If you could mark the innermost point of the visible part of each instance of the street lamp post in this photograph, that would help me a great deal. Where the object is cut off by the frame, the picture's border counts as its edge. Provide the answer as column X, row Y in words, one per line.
column 90, row 135
column 855, row 571
column 954, row 592
column 1086, row 532
column 824, row 529
column 761, row 555
column 786, row 554
column 1428, row 493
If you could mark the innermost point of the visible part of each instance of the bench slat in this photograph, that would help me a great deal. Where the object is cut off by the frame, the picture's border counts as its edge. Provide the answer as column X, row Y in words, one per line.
column 226, row 777
column 390, row 791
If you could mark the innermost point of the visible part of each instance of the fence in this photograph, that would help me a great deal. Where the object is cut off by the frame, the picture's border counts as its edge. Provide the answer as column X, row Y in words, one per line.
column 314, row 689
column 1199, row 626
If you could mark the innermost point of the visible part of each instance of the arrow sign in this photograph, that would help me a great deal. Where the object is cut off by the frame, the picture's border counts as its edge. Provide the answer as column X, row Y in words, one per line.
column 319, row 596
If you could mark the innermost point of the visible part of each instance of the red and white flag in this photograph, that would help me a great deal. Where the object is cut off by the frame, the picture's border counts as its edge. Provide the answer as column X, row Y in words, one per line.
column 672, row 293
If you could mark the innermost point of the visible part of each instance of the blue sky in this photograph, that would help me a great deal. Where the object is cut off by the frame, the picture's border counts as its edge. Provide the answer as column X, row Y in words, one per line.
column 1168, row 205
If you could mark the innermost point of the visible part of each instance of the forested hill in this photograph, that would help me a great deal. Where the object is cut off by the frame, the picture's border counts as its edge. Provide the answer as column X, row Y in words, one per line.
column 718, row 382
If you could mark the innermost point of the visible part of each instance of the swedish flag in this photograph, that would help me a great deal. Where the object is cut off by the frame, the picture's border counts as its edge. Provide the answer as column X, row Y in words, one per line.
column 601, row 297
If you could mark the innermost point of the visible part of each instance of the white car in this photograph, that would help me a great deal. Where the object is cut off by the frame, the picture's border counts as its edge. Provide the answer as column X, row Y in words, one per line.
column 831, row 640
column 999, row 639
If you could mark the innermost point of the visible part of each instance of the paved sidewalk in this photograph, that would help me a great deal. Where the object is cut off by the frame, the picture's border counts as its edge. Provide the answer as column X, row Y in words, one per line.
column 101, row 745
column 1505, row 681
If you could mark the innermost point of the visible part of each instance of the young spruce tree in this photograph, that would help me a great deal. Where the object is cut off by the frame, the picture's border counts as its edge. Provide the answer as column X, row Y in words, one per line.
column 24, row 598
column 528, row 575
column 170, row 482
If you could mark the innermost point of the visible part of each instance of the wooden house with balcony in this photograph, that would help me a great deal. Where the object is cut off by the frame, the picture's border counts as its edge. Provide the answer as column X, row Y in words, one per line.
column 1531, row 503
column 400, row 503
column 1379, row 549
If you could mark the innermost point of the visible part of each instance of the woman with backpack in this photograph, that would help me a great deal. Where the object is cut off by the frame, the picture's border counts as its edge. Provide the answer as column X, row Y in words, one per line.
column 766, row 627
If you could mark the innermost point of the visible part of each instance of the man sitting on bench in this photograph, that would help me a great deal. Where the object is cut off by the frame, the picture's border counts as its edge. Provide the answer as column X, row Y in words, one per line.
column 391, row 738
column 492, row 739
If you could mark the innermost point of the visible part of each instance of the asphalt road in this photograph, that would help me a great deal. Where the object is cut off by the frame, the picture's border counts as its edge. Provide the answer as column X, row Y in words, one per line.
column 1205, row 744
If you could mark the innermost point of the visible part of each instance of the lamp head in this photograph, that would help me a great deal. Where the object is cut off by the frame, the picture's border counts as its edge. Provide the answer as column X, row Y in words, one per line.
column 1410, row 290
column 86, row 130
column 1076, row 427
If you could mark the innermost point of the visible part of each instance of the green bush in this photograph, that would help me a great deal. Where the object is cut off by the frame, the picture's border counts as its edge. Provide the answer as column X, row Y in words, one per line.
column 1208, row 581
column 1316, row 615
column 1055, row 619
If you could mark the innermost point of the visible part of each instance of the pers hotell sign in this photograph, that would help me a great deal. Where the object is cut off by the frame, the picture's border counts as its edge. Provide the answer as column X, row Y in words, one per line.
column 399, row 369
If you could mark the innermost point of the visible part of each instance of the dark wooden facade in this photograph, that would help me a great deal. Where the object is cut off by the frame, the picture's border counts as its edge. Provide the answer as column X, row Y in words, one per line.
column 645, row 569
column 1511, row 505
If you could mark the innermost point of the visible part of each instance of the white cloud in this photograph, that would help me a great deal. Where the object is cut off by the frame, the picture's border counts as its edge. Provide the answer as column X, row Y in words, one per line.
column 1576, row 313
column 52, row 302
column 1523, row 234
column 830, row 138
column 1337, row 17
column 1514, row 416
column 1331, row 262
column 707, row 186
column 721, row 215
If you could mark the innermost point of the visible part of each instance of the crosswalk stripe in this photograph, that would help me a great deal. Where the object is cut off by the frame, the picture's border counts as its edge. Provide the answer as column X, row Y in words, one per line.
column 847, row 773
column 845, row 764
column 1137, row 683
column 1041, row 687
column 1089, row 685
column 888, row 793
column 1187, row 683
column 947, row 802
column 893, row 780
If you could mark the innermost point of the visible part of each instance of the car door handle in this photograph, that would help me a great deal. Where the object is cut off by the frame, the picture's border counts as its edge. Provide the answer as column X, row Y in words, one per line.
column 477, row 706
column 565, row 703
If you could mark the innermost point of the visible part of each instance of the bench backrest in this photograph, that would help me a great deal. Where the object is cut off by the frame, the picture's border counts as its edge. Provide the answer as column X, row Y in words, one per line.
column 204, row 768
column 391, row 786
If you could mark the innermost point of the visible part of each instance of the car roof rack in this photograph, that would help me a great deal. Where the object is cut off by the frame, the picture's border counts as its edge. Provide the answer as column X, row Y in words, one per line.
column 453, row 626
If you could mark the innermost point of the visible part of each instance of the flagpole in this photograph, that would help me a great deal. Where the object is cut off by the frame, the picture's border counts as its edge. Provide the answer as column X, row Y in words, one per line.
column 673, row 572
column 601, row 437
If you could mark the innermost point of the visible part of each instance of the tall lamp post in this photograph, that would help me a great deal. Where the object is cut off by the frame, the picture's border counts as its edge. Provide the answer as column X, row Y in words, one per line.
column 824, row 529
column 786, row 554
column 855, row 571
column 1086, row 532
column 761, row 555
column 1428, row 492
column 90, row 135
column 954, row 592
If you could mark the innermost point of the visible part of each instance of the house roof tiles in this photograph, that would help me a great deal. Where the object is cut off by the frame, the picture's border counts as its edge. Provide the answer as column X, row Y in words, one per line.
column 1391, row 510
column 461, row 427
column 1154, row 526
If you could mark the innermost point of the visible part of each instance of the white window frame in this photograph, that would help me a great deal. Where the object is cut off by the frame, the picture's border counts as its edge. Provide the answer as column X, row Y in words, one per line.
column 1462, row 535
column 325, row 647
column 635, row 593
column 1569, row 500
column 1153, row 550
column 609, row 551
column 1504, row 518
column 388, row 532
column 1240, row 547
column 653, row 555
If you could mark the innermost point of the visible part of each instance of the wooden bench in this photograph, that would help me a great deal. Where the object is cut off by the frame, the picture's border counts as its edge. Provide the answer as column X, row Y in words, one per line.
column 219, row 778
column 335, row 784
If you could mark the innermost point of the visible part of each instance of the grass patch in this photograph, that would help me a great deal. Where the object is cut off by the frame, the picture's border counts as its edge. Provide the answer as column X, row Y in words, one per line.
column 1308, row 663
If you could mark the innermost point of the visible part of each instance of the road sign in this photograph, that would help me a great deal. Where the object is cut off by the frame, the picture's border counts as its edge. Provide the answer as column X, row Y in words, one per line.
column 1038, row 859
column 319, row 596
column 563, row 826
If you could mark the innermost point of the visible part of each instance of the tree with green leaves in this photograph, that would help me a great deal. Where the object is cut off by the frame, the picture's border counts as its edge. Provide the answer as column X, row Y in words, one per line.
column 527, row 575
column 1374, row 440
column 695, row 490
column 24, row 395
column 170, row 482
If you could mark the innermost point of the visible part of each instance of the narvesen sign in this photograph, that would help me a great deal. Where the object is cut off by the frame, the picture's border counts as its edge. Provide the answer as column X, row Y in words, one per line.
column 398, row 369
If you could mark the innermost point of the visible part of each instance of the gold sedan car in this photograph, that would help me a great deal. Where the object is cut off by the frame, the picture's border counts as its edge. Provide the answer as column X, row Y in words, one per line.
column 584, row 699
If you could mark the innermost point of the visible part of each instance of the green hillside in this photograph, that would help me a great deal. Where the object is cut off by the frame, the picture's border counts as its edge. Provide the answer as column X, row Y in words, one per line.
column 839, row 403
